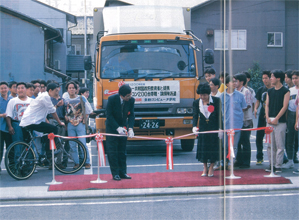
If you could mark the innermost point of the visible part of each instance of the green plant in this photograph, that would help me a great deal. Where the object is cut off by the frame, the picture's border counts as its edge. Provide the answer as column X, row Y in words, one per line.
column 256, row 76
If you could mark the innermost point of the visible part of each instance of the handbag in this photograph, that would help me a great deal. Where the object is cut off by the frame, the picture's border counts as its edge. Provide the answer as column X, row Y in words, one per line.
column 87, row 128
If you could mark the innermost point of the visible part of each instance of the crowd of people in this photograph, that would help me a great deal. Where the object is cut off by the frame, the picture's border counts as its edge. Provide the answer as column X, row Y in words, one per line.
column 37, row 106
column 276, row 104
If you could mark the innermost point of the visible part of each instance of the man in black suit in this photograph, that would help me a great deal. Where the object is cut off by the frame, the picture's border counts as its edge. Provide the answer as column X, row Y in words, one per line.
column 120, row 113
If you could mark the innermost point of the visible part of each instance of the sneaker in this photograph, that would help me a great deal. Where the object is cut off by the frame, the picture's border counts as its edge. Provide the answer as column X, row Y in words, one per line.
column 278, row 170
column 35, row 171
column 76, row 166
column 217, row 164
column 87, row 166
column 259, row 162
column 296, row 171
column 288, row 165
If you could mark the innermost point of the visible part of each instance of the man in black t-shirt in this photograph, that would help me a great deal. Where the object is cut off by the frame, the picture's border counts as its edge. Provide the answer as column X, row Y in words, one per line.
column 275, row 109
column 260, row 99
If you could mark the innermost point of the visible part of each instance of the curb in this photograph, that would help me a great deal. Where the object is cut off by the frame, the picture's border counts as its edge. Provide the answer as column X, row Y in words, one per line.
column 125, row 193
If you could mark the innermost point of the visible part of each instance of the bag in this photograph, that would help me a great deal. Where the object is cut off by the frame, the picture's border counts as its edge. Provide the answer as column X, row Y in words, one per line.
column 89, row 131
column 87, row 128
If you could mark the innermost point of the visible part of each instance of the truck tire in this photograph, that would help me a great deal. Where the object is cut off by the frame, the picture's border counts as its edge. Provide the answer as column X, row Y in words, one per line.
column 187, row 144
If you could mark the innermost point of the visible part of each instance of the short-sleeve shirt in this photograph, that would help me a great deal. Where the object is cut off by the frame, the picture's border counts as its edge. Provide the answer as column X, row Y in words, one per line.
column 261, row 96
column 234, row 105
column 293, row 97
column 16, row 108
column 249, row 100
column 60, row 110
column 38, row 110
column 276, row 98
column 252, row 93
column 3, row 105
column 74, row 111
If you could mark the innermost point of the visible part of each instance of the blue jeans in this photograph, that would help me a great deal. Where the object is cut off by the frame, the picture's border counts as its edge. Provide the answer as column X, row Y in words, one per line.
column 236, row 141
column 73, row 131
column 18, row 136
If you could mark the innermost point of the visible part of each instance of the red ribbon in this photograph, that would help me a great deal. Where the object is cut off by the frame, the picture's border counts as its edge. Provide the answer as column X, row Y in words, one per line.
column 101, row 151
column 268, row 131
column 230, row 134
column 51, row 137
column 169, row 153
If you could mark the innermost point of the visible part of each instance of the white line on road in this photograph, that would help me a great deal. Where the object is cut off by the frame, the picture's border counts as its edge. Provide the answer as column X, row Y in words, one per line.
column 144, row 201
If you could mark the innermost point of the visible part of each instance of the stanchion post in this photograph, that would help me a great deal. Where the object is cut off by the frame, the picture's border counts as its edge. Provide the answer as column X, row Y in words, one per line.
column 54, row 182
column 272, row 174
column 98, row 180
column 232, row 176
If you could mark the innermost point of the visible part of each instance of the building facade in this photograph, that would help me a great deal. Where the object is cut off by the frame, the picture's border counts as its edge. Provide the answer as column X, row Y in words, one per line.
column 34, row 41
column 262, row 31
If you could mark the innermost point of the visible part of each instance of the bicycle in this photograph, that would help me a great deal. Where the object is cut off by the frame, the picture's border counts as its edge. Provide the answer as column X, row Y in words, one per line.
column 21, row 157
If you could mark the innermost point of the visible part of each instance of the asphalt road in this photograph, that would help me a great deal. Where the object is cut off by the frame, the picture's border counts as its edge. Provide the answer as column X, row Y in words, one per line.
column 276, row 205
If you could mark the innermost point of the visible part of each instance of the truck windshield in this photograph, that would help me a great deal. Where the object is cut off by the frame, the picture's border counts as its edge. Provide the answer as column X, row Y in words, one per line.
column 147, row 59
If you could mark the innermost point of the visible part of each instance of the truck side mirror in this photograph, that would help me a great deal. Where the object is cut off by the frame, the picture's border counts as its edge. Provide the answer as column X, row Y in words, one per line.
column 87, row 63
column 209, row 56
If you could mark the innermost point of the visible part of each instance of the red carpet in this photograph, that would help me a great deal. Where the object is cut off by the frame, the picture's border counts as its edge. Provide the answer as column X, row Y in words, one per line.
column 165, row 179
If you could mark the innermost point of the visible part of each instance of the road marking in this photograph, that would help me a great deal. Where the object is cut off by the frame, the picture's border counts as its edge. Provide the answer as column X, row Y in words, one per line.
column 146, row 201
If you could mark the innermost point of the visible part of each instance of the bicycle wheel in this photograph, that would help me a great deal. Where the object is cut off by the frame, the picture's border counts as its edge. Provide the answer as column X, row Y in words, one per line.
column 64, row 157
column 20, row 160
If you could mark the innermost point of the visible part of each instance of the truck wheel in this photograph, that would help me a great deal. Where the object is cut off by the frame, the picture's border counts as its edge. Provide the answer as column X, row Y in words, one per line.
column 187, row 144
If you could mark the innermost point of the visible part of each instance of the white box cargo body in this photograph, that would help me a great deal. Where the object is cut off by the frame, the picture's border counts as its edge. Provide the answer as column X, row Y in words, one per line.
column 143, row 19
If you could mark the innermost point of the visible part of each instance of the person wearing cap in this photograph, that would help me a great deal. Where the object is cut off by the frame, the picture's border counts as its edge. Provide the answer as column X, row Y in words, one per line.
column 120, row 114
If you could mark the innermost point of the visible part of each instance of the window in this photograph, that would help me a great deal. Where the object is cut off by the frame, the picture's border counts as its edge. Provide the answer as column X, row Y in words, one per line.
column 275, row 39
column 75, row 49
column 238, row 40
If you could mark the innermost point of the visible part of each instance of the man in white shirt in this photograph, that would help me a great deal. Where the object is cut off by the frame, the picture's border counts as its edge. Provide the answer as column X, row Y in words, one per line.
column 15, row 110
column 35, row 115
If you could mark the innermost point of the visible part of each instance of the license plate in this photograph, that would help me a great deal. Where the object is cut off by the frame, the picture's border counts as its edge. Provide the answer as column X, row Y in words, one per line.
column 149, row 124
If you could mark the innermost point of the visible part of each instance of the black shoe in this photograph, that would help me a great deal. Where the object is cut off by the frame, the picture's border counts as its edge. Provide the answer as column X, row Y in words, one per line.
column 116, row 177
column 125, row 176
column 269, row 169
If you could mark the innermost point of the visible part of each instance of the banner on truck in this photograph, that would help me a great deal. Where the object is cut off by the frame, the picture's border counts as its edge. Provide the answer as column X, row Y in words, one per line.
column 150, row 92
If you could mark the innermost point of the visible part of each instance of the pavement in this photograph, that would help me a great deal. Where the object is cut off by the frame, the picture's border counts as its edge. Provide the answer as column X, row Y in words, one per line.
column 23, row 193
column 36, row 188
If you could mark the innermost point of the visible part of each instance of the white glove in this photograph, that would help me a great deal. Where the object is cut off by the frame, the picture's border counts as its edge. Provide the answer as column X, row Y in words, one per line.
column 220, row 134
column 121, row 130
column 130, row 133
column 195, row 129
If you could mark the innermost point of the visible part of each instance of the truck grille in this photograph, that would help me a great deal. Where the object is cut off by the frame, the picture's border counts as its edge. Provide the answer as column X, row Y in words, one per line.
column 150, row 109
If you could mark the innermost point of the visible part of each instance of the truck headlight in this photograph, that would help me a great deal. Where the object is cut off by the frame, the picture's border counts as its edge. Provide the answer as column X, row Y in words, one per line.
column 184, row 110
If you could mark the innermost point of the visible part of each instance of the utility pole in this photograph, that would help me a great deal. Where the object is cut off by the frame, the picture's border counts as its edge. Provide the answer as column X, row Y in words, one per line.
column 85, row 41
